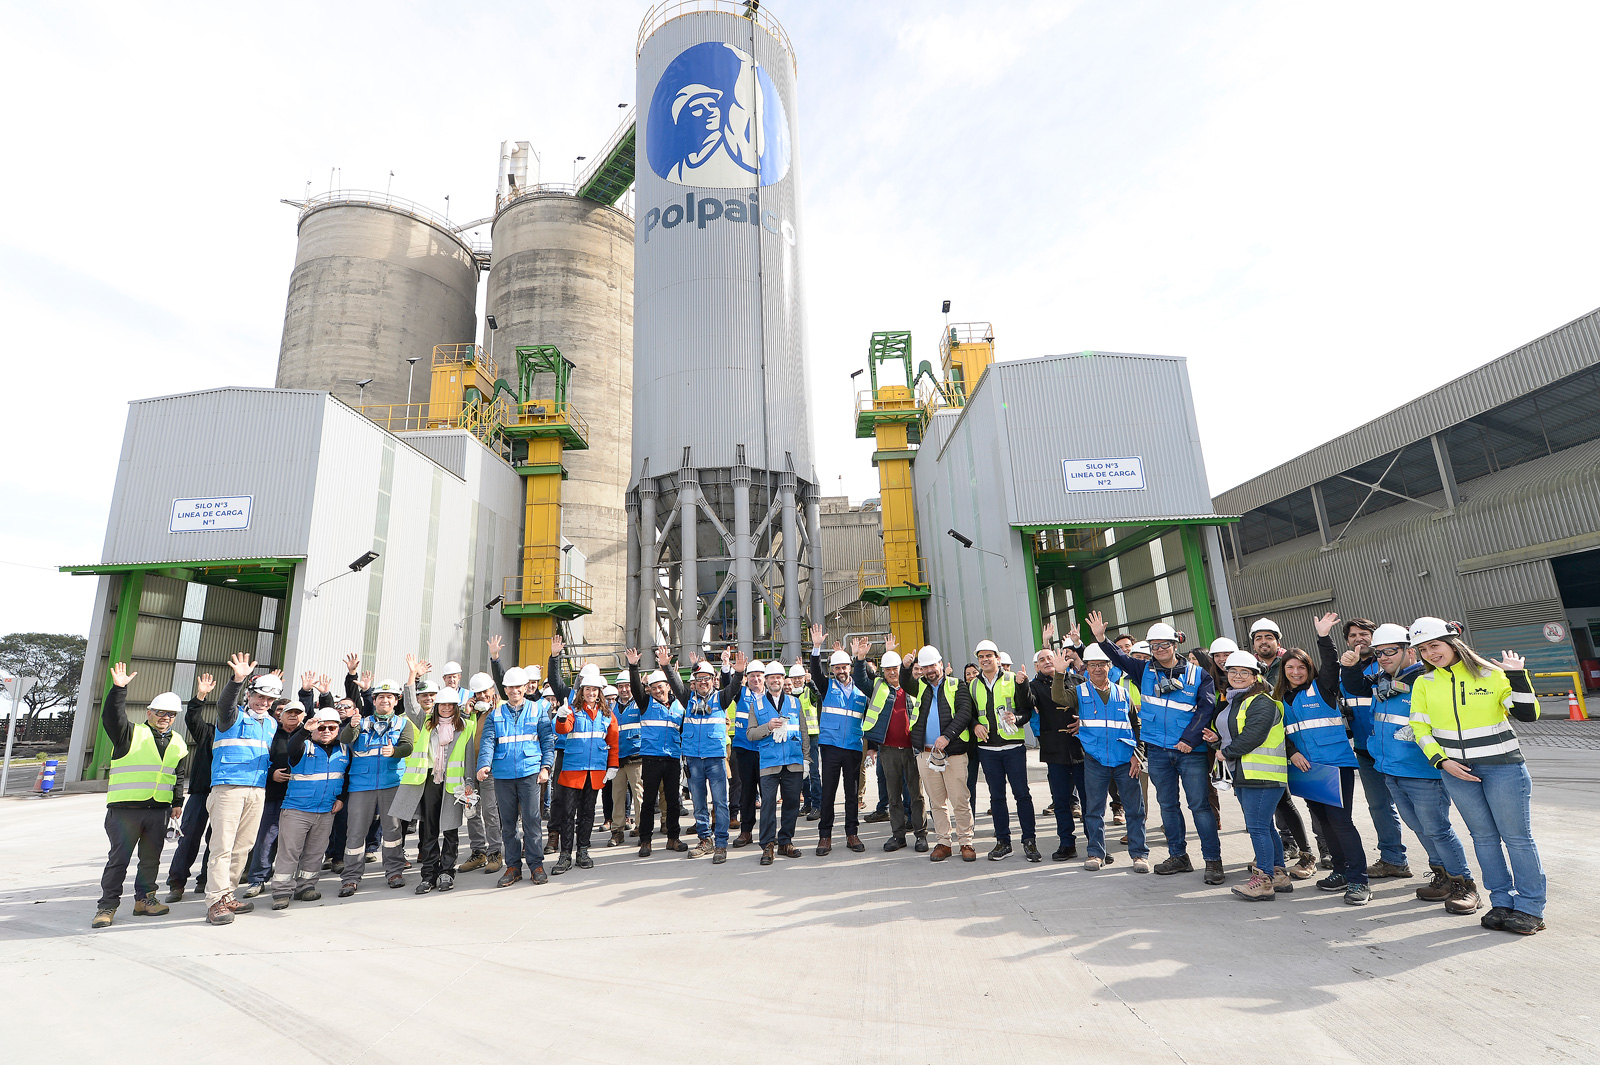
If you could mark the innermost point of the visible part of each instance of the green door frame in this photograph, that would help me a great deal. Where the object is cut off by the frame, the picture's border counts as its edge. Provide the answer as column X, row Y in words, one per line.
column 1199, row 591
column 119, row 649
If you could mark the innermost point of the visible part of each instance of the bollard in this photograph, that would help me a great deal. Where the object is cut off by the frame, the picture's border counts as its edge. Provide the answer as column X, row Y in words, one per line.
column 46, row 781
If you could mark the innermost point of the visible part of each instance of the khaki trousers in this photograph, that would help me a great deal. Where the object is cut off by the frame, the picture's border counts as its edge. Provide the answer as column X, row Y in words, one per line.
column 628, row 781
column 948, row 787
column 235, row 813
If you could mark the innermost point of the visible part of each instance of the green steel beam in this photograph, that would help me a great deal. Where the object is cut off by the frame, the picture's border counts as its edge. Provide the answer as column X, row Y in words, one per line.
column 1209, row 519
column 1194, row 564
column 1033, row 594
column 120, row 649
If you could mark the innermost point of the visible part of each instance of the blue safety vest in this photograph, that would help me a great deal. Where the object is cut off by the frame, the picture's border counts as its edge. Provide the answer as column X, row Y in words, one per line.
column 317, row 779
column 1396, row 755
column 705, row 728
column 1163, row 718
column 1103, row 725
column 1317, row 729
column 241, row 754
column 661, row 730
column 587, row 748
column 842, row 710
column 370, row 770
column 742, row 710
column 788, row 752
column 628, row 738
column 521, row 741
column 1360, row 707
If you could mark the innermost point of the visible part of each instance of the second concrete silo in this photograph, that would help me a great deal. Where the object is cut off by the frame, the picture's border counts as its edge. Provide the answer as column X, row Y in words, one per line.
column 563, row 275
column 375, row 282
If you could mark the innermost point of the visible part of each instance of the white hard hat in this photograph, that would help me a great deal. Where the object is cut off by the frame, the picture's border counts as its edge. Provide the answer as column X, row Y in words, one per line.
column 985, row 645
column 480, row 682
column 1223, row 645
column 704, row 669
column 797, row 670
column 1266, row 625
column 929, row 656
column 516, row 676
column 1142, row 647
column 620, row 679
column 449, row 668
column 267, row 684
column 1005, row 659
column 533, row 672
column 656, row 677
column 611, row 690
column 590, row 678
column 1390, row 634
column 1093, row 653
column 839, row 658
column 447, row 695
column 1425, row 629
column 167, row 701
column 1243, row 660
column 755, row 667
column 427, row 687
column 1162, row 631
column 327, row 713
column 890, row 660
column 388, row 687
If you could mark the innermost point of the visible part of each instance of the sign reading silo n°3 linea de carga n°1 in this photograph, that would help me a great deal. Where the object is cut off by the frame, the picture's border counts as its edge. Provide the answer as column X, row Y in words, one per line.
column 1104, row 475
column 210, row 513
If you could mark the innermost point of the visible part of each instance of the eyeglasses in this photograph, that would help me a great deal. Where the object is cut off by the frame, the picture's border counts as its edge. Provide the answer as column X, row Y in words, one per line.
column 168, row 714
column 1388, row 652
column 1162, row 645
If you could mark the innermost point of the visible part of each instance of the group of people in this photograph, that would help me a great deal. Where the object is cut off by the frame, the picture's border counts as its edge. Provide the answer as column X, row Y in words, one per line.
column 295, row 785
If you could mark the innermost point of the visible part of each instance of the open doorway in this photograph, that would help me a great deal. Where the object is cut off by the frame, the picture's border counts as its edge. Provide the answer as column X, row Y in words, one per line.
column 1578, row 580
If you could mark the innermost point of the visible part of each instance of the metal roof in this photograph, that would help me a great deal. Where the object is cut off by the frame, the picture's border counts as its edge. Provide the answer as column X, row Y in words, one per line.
column 1559, row 353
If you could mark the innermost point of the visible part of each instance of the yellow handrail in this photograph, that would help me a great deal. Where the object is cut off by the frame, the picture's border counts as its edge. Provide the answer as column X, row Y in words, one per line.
column 880, row 573
column 1577, row 690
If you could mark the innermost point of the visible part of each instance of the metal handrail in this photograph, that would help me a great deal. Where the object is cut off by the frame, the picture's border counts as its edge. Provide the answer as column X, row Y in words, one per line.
column 598, row 160
column 964, row 333
column 553, row 188
column 366, row 198
column 538, row 590
column 874, row 573
column 452, row 354
column 549, row 412
column 481, row 420
column 668, row 10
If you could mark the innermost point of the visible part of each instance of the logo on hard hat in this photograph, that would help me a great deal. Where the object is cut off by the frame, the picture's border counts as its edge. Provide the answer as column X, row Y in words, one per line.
column 716, row 121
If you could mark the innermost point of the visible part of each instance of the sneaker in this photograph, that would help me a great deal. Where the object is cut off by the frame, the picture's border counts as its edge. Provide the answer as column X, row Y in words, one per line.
column 1093, row 863
column 446, row 882
column 496, row 863
column 1177, row 863
column 176, row 894
column 814, row 815
column 1437, row 889
column 1259, row 888
column 719, row 855
column 1325, row 862
column 1214, row 872
column 1117, row 818
column 1305, row 867
column 252, row 891
column 1523, row 924
column 477, row 861
column 307, row 894
column 372, row 856
column 1464, row 897
column 701, row 850
column 1000, row 852
column 1281, row 882
column 424, row 886
column 1030, row 851
column 149, row 906
column 509, row 877
column 539, row 876
column 346, row 890
column 1357, row 895
column 876, row 817
column 102, row 918
column 1141, row 865
column 1123, row 841
column 1064, row 854
column 584, row 861
column 280, row 902
column 1333, row 882
column 563, row 864
column 1049, row 810
column 1077, row 811
column 1380, row 869
column 216, row 913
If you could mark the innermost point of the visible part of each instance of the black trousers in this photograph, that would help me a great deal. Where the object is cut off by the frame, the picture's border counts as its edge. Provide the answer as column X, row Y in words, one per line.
column 658, row 770
column 144, row 828
column 785, row 782
column 436, row 850
column 1334, row 825
column 196, row 836
column 605, row 801
column 577, row 824
column 838, row 762
column 747, row 764
column 1291, row 825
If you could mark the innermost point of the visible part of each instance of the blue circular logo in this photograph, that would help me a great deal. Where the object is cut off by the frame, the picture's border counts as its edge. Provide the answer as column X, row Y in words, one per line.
column 716, row 121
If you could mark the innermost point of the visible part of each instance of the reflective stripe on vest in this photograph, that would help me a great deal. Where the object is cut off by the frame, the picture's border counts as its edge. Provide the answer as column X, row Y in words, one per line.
column 1270, row 761
column 316, row 780
column 1109, row 740
column 1318, row 732
column 1005, row 697
column 239, row 754
column 146, row 772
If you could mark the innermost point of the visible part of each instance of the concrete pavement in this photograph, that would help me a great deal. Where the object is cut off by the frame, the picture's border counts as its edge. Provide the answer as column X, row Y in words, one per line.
column 849, row 958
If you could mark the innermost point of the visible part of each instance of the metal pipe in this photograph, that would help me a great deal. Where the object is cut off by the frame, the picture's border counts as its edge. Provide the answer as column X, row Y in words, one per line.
column 689, row 554
column 647, row 562
column 814, row 530
column 743, row 563
column 630, row 629
column 791, row 569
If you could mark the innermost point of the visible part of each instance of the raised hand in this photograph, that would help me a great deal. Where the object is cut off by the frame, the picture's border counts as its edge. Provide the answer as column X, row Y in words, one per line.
column 557, row 644
column 352, row 662
column 633, row 656
column 120, row 675
column 365, row 680
column 740, row 661
column 663, row 656
column 859, row 646
column 424, row 668
column 890, row 643
column 242, row 665
column 1510, row 660
column 819, row 636
column 495, row 643
column 324, row 682
column 1060, row 662
column 1073, row 637
column 307, row 679
column 1349, row 658
column 1049, row 631
column 204, row 686
column 411, row 668
column 1326, row 623
column 727, row 658
column 1097, row 625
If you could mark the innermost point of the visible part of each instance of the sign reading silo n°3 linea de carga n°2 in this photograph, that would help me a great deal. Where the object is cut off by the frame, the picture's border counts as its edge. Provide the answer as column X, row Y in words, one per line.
column 210, row 513
column 1104, row 475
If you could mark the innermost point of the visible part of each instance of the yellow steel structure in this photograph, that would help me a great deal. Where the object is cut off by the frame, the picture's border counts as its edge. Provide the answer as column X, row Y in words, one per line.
column 890, row 415
column 965, row 351
column 541, row 551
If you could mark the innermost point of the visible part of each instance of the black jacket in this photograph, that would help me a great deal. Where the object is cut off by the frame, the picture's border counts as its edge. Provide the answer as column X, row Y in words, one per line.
column 953, row 720
column 200, row 734
column 1056, row 745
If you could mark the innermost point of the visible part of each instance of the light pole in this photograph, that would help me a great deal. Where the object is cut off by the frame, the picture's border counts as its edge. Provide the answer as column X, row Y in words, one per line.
column 575, row 163
column 493, row 325
column 361, row 393
column 17, row 688
column 411, row 368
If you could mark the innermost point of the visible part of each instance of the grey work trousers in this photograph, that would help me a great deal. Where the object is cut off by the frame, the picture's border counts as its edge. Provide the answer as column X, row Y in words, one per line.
column 302, row 839
column 364, row 806
column 483, row 827
column 900, row 775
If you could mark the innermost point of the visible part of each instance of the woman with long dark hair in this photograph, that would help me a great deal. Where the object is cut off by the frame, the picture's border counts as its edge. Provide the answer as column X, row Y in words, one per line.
column 1249, row 734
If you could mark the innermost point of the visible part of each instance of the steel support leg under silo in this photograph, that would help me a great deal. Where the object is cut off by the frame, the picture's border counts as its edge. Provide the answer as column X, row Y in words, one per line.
column 630, row 631
column 743, row 563
column 649, row 552
column 814, row 534
column 791, row 569
column 689, row 554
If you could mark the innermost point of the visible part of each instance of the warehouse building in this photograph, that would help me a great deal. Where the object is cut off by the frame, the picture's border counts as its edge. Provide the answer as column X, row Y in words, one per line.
column 1478, row 502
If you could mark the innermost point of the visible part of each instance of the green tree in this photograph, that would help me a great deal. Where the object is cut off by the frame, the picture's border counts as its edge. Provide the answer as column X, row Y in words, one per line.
column 55, row 659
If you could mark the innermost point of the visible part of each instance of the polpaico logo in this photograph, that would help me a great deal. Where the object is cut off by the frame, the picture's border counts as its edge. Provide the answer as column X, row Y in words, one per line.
column 716, row 121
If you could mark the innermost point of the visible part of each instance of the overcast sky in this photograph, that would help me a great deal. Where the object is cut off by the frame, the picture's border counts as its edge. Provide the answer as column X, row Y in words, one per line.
column 1327, row 210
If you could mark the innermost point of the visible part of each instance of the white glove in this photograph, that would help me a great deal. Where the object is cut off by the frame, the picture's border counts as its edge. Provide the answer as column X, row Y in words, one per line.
column 610, row 773
column 563, row 713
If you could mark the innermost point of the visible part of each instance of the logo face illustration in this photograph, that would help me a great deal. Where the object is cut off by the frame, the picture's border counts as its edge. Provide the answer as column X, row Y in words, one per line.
column 716, row 121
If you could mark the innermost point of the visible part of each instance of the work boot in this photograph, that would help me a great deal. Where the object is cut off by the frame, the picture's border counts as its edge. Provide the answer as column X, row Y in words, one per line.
column 280, row 902
column 538, row 875
column 1141, row 865
column 396, row 881
column 1094, row 862
column 336, row 868
column 563, row 864
column 1380, row 869
column 1259, row 888
column 719, row 855
column 855, row 844
column 477, row 861
column 1000, row 851
column 552, row 840
column 676, row 844
column 1030, row 851
column 813, row 815
column 616, row 838
column 150, row 907
column 371, row 857
column 743, row 839
column 701, row 850
column 102, row 918
column 584, row 861
column 1495, row 919
column 921, row 846
column 497, row 862
column 218, row 912
column 1357, row 895
column 1333, row 882
column 1064, row 853
column 346, row 890
column 1049, row 810
column 876, row 817
column 824, row 846
column 788, row 850
column 644, row 846
column 509, row 877
column 1116, row 815
column 237, row 905
column 1214, row 873
column 894, row 843
column 1463, row 896
column 446, row 882
column 940, row 853
column 767, row 853
column 1305, row 868
column 175, row 894
column 1436, row 889
column 1176, row 863
column 968, row 854
column 307, row 894
column 1325, row 862
column 733, row 822
column 1523, row 924
column 1280, row 880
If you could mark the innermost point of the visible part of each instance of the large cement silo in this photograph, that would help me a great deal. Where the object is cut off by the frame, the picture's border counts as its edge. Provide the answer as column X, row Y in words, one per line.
column 563, row 275
column 374, row 284
column 722, row 477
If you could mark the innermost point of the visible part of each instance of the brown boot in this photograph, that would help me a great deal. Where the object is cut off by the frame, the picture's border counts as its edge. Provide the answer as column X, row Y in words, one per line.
column 644, row 846
column 968, row 854
column 824, row 846
column 767, row 853
column 238, row 905
column 616, row 838
column 1281, row 881
column 219, row 913
column 1259, row 888
column 855, row 844
column 552, row 842
column 789, row 850
column 940, row 853
column 497, row 862
column 1306, row 867
column 742, row 840
column 1463, row 896
column 150, row 906
column 1438, row 888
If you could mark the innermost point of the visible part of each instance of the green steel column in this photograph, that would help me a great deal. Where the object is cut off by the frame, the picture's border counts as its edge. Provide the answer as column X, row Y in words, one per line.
column 1194, row 565
column 1080, row 600
column 1033, row 593
column 120, row 649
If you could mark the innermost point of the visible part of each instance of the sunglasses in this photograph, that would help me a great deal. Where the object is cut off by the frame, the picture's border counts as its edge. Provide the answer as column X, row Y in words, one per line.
column 325, row 725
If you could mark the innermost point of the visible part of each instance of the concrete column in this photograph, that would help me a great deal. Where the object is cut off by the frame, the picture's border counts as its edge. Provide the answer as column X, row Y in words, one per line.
column 630, row 629
column 648, row 556
column 689, row 579
column 814, row 533
column 743, row 560
column 791, row 569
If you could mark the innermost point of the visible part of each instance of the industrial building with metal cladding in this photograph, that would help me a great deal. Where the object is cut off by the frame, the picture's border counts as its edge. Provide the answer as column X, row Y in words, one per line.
column 419, row 480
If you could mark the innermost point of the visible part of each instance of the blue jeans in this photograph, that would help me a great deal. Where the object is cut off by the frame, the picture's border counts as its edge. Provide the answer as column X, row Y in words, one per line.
column 1167, row 768
column 1380, row 807
column 1063, row 780
column 1425, row 807
column 1097, row 778
column 710, row 818
column 1496, row 810
column 813, row 790
column 1008, row 766
column 519, row 799
column 1259, row 805
column 266, row 836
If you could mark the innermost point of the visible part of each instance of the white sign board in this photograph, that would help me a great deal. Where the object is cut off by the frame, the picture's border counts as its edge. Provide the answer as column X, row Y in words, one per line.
column 1104, row 475
column 210, row 513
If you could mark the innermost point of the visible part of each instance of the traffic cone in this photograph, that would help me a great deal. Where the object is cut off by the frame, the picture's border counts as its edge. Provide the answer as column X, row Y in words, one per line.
column 1574, row 711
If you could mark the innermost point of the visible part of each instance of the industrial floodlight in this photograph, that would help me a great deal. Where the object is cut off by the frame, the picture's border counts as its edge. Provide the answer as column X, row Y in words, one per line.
column 367, row 558
column 567, row 547
column 364, row 384
column 966, row 542
column 946, row 308
column 958, row 538
column 496, row 601
column 492, row 323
